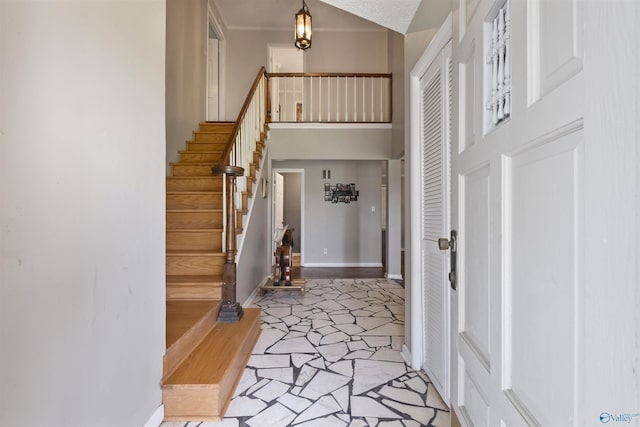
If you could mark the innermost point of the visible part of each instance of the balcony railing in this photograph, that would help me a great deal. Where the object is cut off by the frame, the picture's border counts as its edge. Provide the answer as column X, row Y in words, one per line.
column 330, row 97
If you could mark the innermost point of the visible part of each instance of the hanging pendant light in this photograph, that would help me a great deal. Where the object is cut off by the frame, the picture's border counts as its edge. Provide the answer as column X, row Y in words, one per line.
column 303, row 28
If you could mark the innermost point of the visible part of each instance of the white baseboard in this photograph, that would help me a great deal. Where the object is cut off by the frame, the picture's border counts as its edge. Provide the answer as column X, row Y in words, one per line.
column 156, row 418
column 249, row 301
column 394, row 277
column 406, row 354
column 342, row 264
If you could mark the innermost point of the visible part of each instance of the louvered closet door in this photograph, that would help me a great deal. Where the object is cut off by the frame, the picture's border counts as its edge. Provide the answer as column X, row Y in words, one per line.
column 435, row 223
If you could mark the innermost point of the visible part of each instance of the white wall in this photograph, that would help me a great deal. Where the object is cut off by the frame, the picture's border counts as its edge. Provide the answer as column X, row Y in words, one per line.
column 186, row 68
column 350, row 232
column 82, row 163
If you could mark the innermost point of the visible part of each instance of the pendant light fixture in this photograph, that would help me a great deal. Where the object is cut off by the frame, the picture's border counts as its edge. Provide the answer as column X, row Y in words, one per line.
column 303, row 28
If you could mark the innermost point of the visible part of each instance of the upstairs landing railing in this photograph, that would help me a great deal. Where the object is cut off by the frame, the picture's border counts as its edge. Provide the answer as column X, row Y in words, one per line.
column 330, row 97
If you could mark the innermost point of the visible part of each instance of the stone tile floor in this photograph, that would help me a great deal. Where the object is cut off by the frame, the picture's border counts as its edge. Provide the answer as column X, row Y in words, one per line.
column 331, row 357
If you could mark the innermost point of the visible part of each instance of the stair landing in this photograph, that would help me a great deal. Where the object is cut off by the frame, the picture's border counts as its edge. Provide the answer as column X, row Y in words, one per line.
column 201, row 388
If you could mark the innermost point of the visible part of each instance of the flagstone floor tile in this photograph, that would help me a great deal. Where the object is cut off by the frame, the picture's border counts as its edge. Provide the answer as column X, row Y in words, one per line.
column 331, row 357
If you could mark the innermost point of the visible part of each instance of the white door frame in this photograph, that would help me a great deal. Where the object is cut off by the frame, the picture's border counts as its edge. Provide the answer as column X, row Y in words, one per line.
column 302, row 226
column 212, row 19
column 415, row 355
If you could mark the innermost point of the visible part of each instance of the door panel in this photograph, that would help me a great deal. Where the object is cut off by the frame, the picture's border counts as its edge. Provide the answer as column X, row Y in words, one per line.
column 474, row 322
column 555, row 42
column 540, row 289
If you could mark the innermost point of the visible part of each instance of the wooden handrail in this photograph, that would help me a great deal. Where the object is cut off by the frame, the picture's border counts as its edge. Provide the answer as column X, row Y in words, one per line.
column 381, row 75
column 224, row 159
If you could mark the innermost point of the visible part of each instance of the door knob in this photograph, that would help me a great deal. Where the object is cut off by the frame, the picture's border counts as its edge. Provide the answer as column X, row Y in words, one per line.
column 451, row 245
column 446, row 244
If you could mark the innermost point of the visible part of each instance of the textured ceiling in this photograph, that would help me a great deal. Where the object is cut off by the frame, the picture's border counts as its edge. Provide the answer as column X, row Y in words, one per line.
column 403, row 16
column 279, row 15
column 394, row 14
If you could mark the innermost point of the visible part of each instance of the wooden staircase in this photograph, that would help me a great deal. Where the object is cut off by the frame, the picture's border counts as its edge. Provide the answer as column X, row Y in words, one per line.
column 204, row 360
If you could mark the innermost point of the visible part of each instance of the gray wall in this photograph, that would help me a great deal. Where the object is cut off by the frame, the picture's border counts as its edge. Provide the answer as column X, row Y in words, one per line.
column 186, row 72
column 357, row 142
column 292, row 190
column 350, row 232
column 254, row 253
column 396, row 67
column 82, row 224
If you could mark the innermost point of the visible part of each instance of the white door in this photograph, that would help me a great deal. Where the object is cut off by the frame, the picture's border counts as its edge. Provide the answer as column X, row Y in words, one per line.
column 434, row 100
column 213, row 81
column 278, row 200
column 286, row 92
column 517, row 206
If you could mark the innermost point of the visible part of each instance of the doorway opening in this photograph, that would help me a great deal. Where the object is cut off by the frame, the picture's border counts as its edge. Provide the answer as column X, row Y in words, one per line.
column 216, row 48
column 288, row 207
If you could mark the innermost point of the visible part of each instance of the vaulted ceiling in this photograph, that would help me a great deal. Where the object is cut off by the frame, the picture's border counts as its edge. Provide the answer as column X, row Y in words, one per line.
column 354, row 15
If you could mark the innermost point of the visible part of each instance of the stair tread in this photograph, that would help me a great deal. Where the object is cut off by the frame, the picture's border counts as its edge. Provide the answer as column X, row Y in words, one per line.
column 195, row 210
column 194, row 177
column 213, row 131
column 225, row 341
column 193, row 163
column 195, row 193
column 182, row 315
column 203, row 151
column 194, row 279
column 193, row 230
column 194, row 252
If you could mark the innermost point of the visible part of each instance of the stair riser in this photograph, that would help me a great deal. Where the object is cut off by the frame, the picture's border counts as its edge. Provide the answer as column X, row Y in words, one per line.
column 193, row 220
column 194, row 265
column 197, row 403
column 211, row 137
column 194, row 201
column 195, row 184
column 206, row 146
column 216, row 127
column 200, row 157
column 205, row 240
column 186, row 169
column 177, row 292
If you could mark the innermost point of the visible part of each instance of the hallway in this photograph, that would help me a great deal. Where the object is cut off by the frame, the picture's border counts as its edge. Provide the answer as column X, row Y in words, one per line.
column 332, row 358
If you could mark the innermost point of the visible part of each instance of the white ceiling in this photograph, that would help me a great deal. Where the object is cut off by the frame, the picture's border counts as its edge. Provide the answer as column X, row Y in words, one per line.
column 354, row 15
